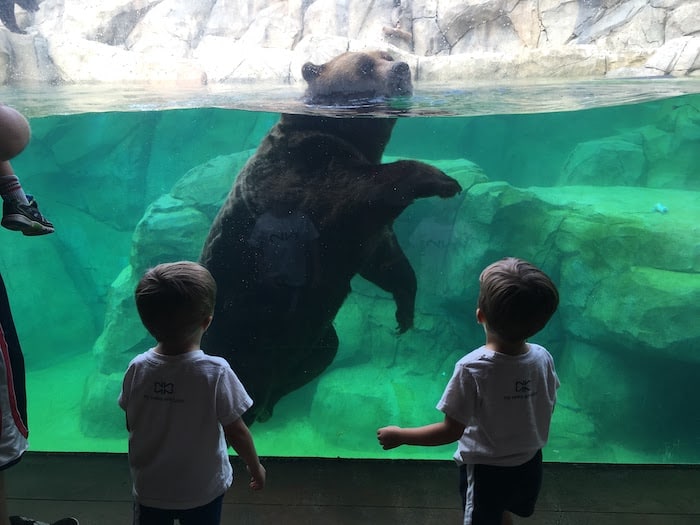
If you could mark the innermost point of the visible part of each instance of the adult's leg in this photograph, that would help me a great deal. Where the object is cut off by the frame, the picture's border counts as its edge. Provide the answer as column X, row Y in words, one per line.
column 4, row 516
column 14, row 385
column 13, row 400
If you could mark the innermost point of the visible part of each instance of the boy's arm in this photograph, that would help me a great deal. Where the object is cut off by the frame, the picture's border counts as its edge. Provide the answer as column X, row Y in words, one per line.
column 447, row 431
column 238, row 436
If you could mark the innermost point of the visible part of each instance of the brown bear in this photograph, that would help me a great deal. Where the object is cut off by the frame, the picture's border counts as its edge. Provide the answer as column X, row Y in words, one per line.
column 311, row 209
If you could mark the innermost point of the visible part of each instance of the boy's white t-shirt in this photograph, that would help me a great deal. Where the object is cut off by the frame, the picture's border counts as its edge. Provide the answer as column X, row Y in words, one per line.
column 176, row 407
column 505, row 402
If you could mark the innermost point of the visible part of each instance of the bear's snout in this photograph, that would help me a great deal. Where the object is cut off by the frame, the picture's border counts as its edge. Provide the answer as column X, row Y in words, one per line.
column 400, row 79
column 401, row 68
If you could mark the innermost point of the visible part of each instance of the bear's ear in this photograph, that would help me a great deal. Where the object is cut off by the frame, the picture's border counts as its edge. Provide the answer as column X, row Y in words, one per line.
column 311, row 71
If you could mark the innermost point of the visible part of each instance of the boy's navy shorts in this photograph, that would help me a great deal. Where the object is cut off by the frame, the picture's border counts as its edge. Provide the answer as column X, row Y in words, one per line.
column 488, row 490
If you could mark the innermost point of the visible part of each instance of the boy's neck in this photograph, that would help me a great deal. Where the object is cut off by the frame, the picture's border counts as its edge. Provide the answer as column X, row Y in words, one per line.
column 176, row 348
column 506, row 347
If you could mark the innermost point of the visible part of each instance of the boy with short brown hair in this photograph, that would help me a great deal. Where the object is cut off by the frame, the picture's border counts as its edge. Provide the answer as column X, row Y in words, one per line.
column 498, row 404
column 183, row 406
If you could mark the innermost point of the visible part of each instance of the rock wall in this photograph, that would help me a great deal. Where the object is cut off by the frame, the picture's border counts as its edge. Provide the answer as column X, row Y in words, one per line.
column 222, row 41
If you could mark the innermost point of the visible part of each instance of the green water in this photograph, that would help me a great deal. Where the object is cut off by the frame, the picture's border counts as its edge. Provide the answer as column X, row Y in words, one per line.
column 575, row 192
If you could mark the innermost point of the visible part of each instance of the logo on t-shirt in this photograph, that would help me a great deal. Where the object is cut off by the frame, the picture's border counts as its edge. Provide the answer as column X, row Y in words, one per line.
column 163, row 391
column 523, row 390
column 163, row 388
column 522, row 386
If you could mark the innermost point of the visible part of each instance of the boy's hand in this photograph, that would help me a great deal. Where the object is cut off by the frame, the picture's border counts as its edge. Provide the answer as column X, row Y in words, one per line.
column 257, row 477
column 389, row 437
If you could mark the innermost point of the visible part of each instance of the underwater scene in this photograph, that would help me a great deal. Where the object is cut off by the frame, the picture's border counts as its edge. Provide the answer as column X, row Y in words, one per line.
column 605, row 198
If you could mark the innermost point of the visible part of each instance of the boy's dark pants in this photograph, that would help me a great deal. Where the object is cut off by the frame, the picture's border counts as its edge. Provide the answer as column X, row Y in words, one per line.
column 209, row 514
column 490, row 490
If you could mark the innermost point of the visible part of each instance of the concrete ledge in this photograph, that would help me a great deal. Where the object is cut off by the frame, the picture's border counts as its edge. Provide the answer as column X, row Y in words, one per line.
column 96, row 489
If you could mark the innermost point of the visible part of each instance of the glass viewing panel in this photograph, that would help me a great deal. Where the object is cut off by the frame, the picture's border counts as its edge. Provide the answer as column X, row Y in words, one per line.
column 595, row 181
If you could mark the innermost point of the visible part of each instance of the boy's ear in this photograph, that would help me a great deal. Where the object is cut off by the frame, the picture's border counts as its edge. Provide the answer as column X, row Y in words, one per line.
column 207, row 322
column 479, row 316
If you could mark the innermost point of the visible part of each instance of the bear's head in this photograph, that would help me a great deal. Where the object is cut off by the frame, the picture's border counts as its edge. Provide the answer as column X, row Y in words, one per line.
column 357, row 76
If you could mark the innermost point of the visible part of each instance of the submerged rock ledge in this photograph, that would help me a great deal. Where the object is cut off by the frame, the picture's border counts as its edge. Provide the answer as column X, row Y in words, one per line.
column 197, row 42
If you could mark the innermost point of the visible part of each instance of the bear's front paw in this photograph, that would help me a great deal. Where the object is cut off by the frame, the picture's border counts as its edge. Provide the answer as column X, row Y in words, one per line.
column 429, row 181
column 448, row 187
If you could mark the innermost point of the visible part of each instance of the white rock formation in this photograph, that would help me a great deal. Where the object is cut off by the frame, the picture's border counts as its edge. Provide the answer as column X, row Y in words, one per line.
column 221, row 41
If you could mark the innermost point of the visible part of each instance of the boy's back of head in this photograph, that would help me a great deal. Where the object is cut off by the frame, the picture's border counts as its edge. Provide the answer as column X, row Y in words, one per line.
column 516, row 299
column 173, row 299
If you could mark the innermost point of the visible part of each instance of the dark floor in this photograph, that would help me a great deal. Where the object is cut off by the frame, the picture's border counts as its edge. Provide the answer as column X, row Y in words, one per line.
column 95, row 488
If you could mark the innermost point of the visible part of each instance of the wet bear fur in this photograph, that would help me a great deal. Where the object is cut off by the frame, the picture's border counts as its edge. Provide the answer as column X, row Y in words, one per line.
column 331, row 170
column 7, row 13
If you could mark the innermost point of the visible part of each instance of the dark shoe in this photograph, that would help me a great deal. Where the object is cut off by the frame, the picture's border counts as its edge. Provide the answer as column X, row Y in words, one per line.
column 21, row 520
column 25, row 218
